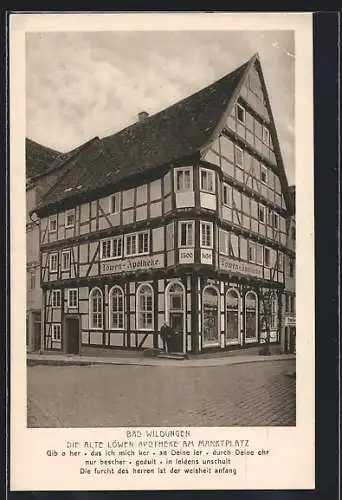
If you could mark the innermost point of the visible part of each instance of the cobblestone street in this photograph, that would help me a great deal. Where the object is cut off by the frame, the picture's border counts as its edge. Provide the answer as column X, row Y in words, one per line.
column 250, row 394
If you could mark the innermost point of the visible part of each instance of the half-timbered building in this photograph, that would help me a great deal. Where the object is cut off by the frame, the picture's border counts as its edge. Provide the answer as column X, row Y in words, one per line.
column 180, row 216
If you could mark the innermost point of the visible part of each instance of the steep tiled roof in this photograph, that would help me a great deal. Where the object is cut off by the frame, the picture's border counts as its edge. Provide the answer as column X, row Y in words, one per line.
column 177, row 132
column 38, row 158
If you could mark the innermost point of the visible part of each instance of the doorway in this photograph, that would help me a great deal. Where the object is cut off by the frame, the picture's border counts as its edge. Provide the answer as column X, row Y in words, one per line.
column 72, row 335
column 210, row 317
column 175, row 313
column 36, row 316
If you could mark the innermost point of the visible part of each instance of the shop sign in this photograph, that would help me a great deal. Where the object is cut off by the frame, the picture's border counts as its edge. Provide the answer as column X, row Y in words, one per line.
column 186, row 255
column 236, row 266
column 133, row 264
column 290, row 320
column 206, row 257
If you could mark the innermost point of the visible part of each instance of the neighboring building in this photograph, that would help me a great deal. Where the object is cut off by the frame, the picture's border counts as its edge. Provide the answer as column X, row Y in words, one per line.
column 180, row 216
column 289, row 301
column 44, row 167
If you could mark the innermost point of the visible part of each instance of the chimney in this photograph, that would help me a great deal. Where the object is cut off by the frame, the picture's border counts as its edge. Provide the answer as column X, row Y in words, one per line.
column 142, row 116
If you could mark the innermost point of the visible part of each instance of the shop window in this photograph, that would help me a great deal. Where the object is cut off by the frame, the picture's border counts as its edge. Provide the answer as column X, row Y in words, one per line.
column 114, row 203
column 240, row 113
column 66, row 260
column 206, row 235
column 207, row 180
column 52, row 223
column 137, row 243
column 145, row 307
column 53, row 265
column 73, row 298
column 111, row 248
column 70, row 218
column 56, row 298
column 210, row 316
column 186, row 234
column 183, row 179
column 96, row 309
column 56, row 332
column 116, row 308
column 175, row 306
column 232, row 316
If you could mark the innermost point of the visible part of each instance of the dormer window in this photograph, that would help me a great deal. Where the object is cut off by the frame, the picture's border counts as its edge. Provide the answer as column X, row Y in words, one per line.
column 52, row 223
column 70, row 218
column 240, row 113
column 114, row 203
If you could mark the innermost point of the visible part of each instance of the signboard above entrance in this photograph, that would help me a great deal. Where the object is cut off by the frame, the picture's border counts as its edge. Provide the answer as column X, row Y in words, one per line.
column 236, row 266
column 134, row 264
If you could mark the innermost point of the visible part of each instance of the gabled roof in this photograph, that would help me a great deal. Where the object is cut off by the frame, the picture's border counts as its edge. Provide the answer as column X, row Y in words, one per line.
column 175, row 133
column 38, row 158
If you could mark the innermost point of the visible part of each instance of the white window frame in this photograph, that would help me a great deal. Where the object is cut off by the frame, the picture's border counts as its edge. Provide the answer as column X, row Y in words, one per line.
column 139, row 328
column 117, row 313
column 229, row 189
column 265, row 170
column 67, row 213
column 110, row 241
column 267, row 249
column 187, row 223
column 209, row 173
column 70, row 292
column 237, row 148
column 56, row 299
column 91, row 313
column 65, row 252
column 183, row 189
column 117, row 198
column 239, row 106
column 57, row 326
column 55, row 219
column 211, row 233
column 53, row 269
column 136, row 253
column 265, row 135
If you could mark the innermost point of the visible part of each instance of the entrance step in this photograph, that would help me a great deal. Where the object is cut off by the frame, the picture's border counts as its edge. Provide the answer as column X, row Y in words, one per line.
column 173, row 355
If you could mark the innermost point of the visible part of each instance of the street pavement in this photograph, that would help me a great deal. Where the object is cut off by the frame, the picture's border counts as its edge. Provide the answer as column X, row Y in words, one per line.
column 248, row 394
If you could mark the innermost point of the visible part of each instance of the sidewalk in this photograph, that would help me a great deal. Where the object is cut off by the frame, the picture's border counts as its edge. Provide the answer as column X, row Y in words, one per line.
column 137, row 359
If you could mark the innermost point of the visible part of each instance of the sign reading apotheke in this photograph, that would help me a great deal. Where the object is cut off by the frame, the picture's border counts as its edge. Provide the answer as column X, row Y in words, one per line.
column 133, row 264
column 236, row 266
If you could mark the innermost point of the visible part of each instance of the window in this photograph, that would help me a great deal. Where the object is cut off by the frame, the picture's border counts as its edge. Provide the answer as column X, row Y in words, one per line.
column 274, row 311
column 227, row 195
column 66, row 260
column 267, row 257
column 145, row 307
column 207, row 180
column 240, row 113
column 96, row 309
column 238, row 156
column 137, row 243
column 252, row 252
column 261, row 213
column 265, row 135
column 291, row 268
column 114, row 203
column 56, row 332
column 116, row 308
column 53, row 223
column 73, row 298
column 56, row 298
column 53, row 262
column 206, row 234
column 32, row 280
column 186, row 234
column 259, row 254
column 275, row 220
column 183, row 179
column 280, row 261
column 111, row 248
column 263, row 174
column 70, row 218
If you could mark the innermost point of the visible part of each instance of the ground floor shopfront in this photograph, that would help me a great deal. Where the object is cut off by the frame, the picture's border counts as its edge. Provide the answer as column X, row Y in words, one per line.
column 205, row 312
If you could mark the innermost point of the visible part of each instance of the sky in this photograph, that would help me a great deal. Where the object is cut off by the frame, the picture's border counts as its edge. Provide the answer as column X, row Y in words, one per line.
column 85, row 84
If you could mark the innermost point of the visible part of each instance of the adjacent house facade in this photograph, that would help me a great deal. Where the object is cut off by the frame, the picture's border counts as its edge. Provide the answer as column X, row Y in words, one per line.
column 182, row 217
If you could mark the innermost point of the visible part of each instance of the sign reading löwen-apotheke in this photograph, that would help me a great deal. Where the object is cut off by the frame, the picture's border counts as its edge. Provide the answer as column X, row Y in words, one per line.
column 236, row 266
column 133, row 264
